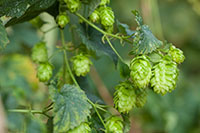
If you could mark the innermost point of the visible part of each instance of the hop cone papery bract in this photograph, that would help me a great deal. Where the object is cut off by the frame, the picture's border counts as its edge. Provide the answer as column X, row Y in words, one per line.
column 82, row 128
column 164, row 77
column 44, row 71
column 107, row 16
column 124, row 97
column 104, row 2
column 39, row 52
column 95, row 16
column 140, row 71
column 141, row 97
column 81, row 64
column 62, row 20
column 73, row 5
column 176, row 54
column 114, row 125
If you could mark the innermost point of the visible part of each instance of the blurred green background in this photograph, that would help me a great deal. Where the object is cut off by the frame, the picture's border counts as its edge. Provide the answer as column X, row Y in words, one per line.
column 177, row 21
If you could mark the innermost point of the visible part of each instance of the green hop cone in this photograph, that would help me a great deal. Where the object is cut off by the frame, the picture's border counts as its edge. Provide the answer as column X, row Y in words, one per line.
column 114, row 125
column 104, row 2
column 141, row 97
column 62, row 20
column 81, row 65
column 107, row 16
column 73, row 5
column 140, row 71
column 124, row 97
column 44, row 72
column 176, row 54
column 39, row 52
column 164, row 76
column 95, row 16
column 82, row 128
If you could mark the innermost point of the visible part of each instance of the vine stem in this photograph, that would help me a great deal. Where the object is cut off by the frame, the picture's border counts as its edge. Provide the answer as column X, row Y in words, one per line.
column 26, row 111
column 74, row 79
column 97, row 28
column 108, row 40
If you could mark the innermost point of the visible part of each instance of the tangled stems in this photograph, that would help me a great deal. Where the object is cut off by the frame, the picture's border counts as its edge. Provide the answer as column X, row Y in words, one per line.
column 95, row 106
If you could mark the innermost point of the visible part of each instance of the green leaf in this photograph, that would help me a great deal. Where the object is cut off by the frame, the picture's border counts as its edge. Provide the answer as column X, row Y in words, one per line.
column 123, row 69
column 15, row 8
column 3, row 36
column 124, row 29
column 34, row 10
column 145, row 42
column 70, row 107
column 92, row 6
column 138, row 18
column 93, row 41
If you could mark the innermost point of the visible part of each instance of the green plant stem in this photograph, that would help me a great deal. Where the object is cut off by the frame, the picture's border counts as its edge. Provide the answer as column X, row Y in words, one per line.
column 73, row 78
column 114, row 49
column 66, row 59
column 25, row 111
column 102, row 31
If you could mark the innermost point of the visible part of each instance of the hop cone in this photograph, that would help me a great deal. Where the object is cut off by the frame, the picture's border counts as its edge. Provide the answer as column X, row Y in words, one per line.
column 39, row 52
column 81, row 64
column 95, row 16
column 114, row 125
column 62, row 20
column 164, row 77
column 82, row 128
column 176, row 54
column 124, row 97
column 107, row 16
column 44, row 72
column 104, row 2
column 141, row 97
column 140, row 71
column 73, row 5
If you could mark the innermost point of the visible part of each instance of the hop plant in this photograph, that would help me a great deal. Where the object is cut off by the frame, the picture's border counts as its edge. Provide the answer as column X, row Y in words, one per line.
column 95, row 16
column 81, row 65
column 114, row 125
column 104, row 2
column 62, row 20
column 44, row 72
column 141, row 97
column 124, row 97
column 140, row 71
column 39, row 52
column 107, row 16
column 164, row 77
column 176, row 54
column 73, row 5
column 82, row 128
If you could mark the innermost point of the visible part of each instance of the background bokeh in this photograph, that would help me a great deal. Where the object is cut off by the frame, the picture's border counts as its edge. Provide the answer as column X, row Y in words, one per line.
column 177, row 21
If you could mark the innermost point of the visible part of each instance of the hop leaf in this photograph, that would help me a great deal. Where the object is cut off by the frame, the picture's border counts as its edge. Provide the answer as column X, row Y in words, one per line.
column 164, row 77
column 141, row 97
column 107, row 16
column 95, row 16
column 73, row 5
column 39, row 52
column 176, row 54
column 62, row 20
column 82, row 128
column 140, row 71
column 44, row 72
column 114, row 125
column 104, row 2
column 81, row 64
column 124, row 97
